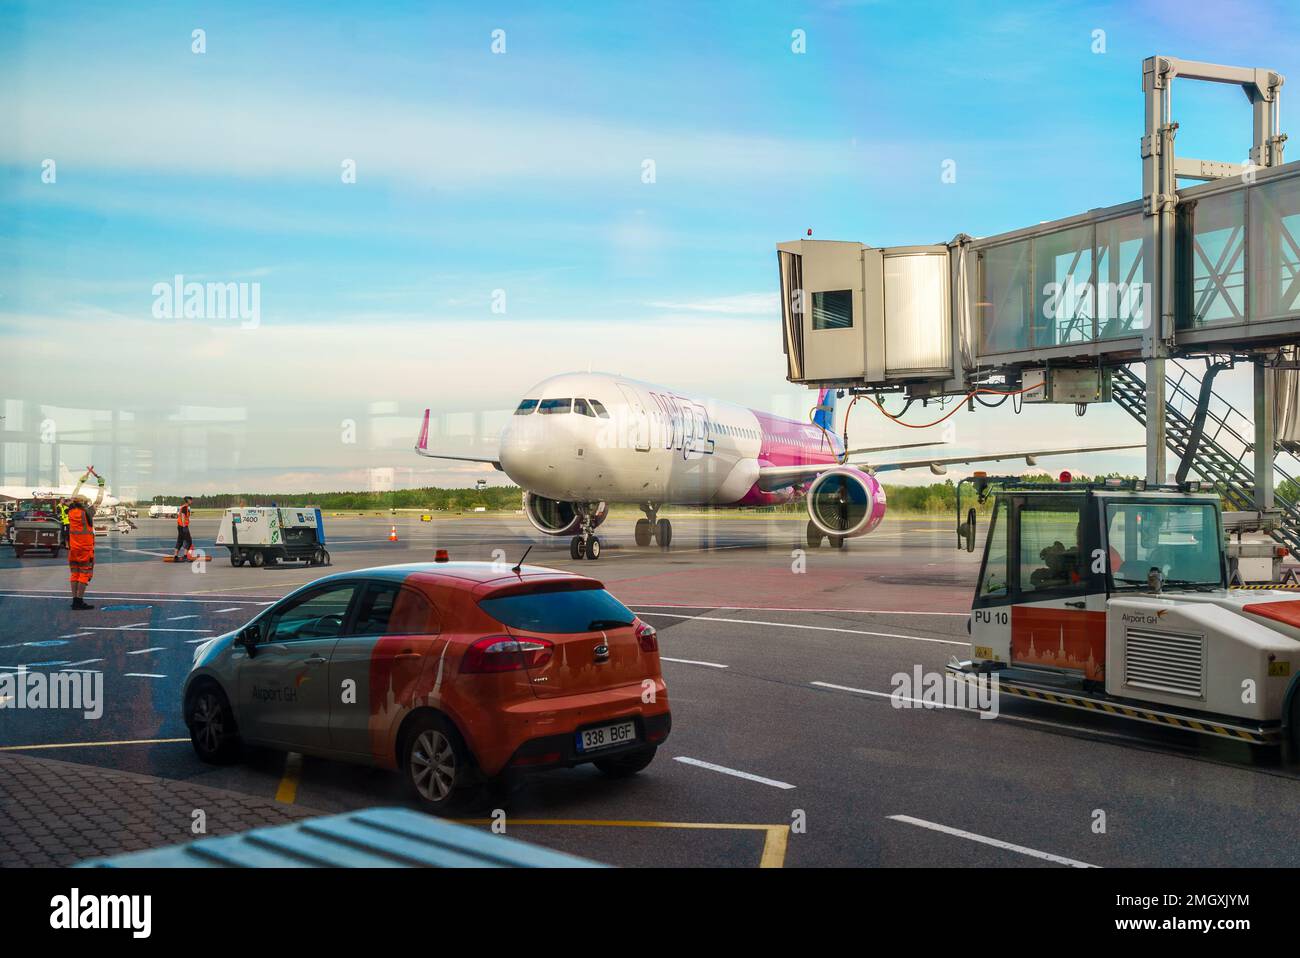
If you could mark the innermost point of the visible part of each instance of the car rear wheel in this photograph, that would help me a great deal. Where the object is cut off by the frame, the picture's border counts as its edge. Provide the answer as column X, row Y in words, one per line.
column 436, row 763
column 627, row 765
column 212, row 726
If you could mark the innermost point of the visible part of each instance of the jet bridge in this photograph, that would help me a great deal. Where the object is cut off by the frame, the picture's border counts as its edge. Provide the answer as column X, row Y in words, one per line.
column 1205, row 265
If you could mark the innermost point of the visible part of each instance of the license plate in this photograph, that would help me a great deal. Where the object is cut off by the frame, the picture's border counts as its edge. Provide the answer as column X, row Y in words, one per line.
column 591, row 739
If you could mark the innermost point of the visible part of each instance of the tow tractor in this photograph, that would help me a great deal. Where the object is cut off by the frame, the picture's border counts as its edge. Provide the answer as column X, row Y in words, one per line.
column 1113, row 597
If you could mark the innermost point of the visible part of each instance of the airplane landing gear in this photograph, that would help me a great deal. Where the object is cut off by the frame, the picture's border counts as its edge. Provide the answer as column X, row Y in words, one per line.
column 586, row 544
column 660, row 530
column 664, row 533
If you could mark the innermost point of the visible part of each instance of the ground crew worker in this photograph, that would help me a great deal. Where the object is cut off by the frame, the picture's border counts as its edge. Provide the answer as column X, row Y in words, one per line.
column 81, row 544
column 183, row 537
column 63, row 520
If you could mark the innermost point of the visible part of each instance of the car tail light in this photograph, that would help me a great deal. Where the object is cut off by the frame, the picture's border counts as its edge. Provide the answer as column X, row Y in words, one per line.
column 504, row 653
column 647, row 637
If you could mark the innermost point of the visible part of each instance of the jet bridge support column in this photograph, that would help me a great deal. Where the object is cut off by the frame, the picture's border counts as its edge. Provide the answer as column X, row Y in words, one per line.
column 1264, row 436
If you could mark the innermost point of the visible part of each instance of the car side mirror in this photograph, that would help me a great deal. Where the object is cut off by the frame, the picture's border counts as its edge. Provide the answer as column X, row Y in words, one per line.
column 247, row 638
column 966, row 532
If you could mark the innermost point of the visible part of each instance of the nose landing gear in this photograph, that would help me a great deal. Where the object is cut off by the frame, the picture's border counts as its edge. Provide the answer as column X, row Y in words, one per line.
column 586, row 544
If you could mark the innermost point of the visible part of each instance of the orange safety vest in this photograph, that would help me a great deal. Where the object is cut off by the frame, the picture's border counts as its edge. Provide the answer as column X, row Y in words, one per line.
column 183, row 516
column 79, row 524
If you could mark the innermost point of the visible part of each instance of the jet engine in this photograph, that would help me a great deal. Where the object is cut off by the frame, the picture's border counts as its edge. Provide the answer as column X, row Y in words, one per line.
column 556, row 517
column 846, row 502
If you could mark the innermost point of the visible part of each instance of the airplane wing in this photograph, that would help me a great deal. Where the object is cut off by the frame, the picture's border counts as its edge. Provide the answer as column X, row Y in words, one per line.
column 772, row 477
column 1029, row 457
column 906, row 445
column 422, row 448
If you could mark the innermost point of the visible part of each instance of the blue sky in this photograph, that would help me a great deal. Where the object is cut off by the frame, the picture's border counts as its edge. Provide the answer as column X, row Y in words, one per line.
column 523, row 172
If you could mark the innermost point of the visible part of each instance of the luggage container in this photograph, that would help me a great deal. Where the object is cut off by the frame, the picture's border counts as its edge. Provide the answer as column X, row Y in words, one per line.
column 266, row 535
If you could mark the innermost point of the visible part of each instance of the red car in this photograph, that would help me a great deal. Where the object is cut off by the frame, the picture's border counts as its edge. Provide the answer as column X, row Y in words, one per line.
column 454, row 673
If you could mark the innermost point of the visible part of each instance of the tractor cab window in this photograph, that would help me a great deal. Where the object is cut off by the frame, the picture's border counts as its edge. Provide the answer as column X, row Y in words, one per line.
column 994, row 580
column 526, row 407
column 1051, row 551
column 1181, row 539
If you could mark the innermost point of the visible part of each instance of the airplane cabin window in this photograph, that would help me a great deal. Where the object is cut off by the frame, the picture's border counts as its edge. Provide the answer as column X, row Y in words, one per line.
column 582, row 409
column 526, row 407
column 600, row 410
column 550, row 407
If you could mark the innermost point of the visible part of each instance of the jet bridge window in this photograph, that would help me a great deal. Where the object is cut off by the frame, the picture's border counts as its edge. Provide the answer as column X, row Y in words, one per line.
column 526, row 407
column 553, row 407
column 832, row 309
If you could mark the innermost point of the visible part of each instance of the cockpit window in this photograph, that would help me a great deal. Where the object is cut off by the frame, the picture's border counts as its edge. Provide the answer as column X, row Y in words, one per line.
column 582, row 409
column 600, row 410
column 555, row 406
column 526, row 407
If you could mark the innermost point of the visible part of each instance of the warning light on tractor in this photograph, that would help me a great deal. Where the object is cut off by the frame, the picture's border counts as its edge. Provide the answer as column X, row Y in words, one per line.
column 1065, row 476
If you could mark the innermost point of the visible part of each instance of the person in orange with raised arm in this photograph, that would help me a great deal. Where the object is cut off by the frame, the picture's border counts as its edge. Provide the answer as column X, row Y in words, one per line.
column 81, row 540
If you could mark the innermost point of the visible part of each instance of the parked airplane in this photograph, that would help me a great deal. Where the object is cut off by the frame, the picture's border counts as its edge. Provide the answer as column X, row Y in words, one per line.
column 580, row 441
column 66, row 488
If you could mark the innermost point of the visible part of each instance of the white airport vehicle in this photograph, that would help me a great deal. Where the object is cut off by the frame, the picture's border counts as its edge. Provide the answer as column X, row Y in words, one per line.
column 580, row 441
column 163, row 512
column 1113, row 598
column 266, row 535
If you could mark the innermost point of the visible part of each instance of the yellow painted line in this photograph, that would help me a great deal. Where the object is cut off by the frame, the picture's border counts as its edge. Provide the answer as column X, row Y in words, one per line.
column 288, row 790
column 774, row 847
column 132, row 741
column 774, row 841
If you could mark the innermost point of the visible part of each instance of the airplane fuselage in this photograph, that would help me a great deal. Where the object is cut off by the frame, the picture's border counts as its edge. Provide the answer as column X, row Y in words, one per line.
column 592, row 437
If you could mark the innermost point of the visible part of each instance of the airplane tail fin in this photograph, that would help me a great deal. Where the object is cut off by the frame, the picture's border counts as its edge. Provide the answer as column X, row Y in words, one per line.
column 825, row 414
column 422, row 444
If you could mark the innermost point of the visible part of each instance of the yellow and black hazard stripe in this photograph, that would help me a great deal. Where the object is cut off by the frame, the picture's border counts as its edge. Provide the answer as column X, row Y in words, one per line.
column 1255, row 736
column 1280, row 588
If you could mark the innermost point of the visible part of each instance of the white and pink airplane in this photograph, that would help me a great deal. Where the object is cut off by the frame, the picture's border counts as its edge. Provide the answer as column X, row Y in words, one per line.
column 580, row 441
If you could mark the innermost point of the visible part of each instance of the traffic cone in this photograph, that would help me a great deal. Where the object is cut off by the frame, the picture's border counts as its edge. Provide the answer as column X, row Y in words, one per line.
column 392, row 534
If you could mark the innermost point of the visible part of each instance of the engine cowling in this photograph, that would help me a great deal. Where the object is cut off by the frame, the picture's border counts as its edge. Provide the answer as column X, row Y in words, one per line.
column 846, row 502
column 556, row 517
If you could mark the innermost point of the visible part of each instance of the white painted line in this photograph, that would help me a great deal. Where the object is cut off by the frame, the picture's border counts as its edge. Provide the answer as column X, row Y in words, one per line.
column 731, row 771
column 75, row 635
column 711, row 665
column 233, row 608
column 814, row 628
column 142, row 675
column 890, row 695
column 762, row 608
column 206, row 638
column 116, row 597
column 136, row 628
column 178, row 618
column 156, row 648
column 985, row 840
column 85, row 662
column 1000, row 717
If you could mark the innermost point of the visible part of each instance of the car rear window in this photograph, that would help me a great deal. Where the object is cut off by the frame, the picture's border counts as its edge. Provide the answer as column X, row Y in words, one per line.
column 572, row 610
